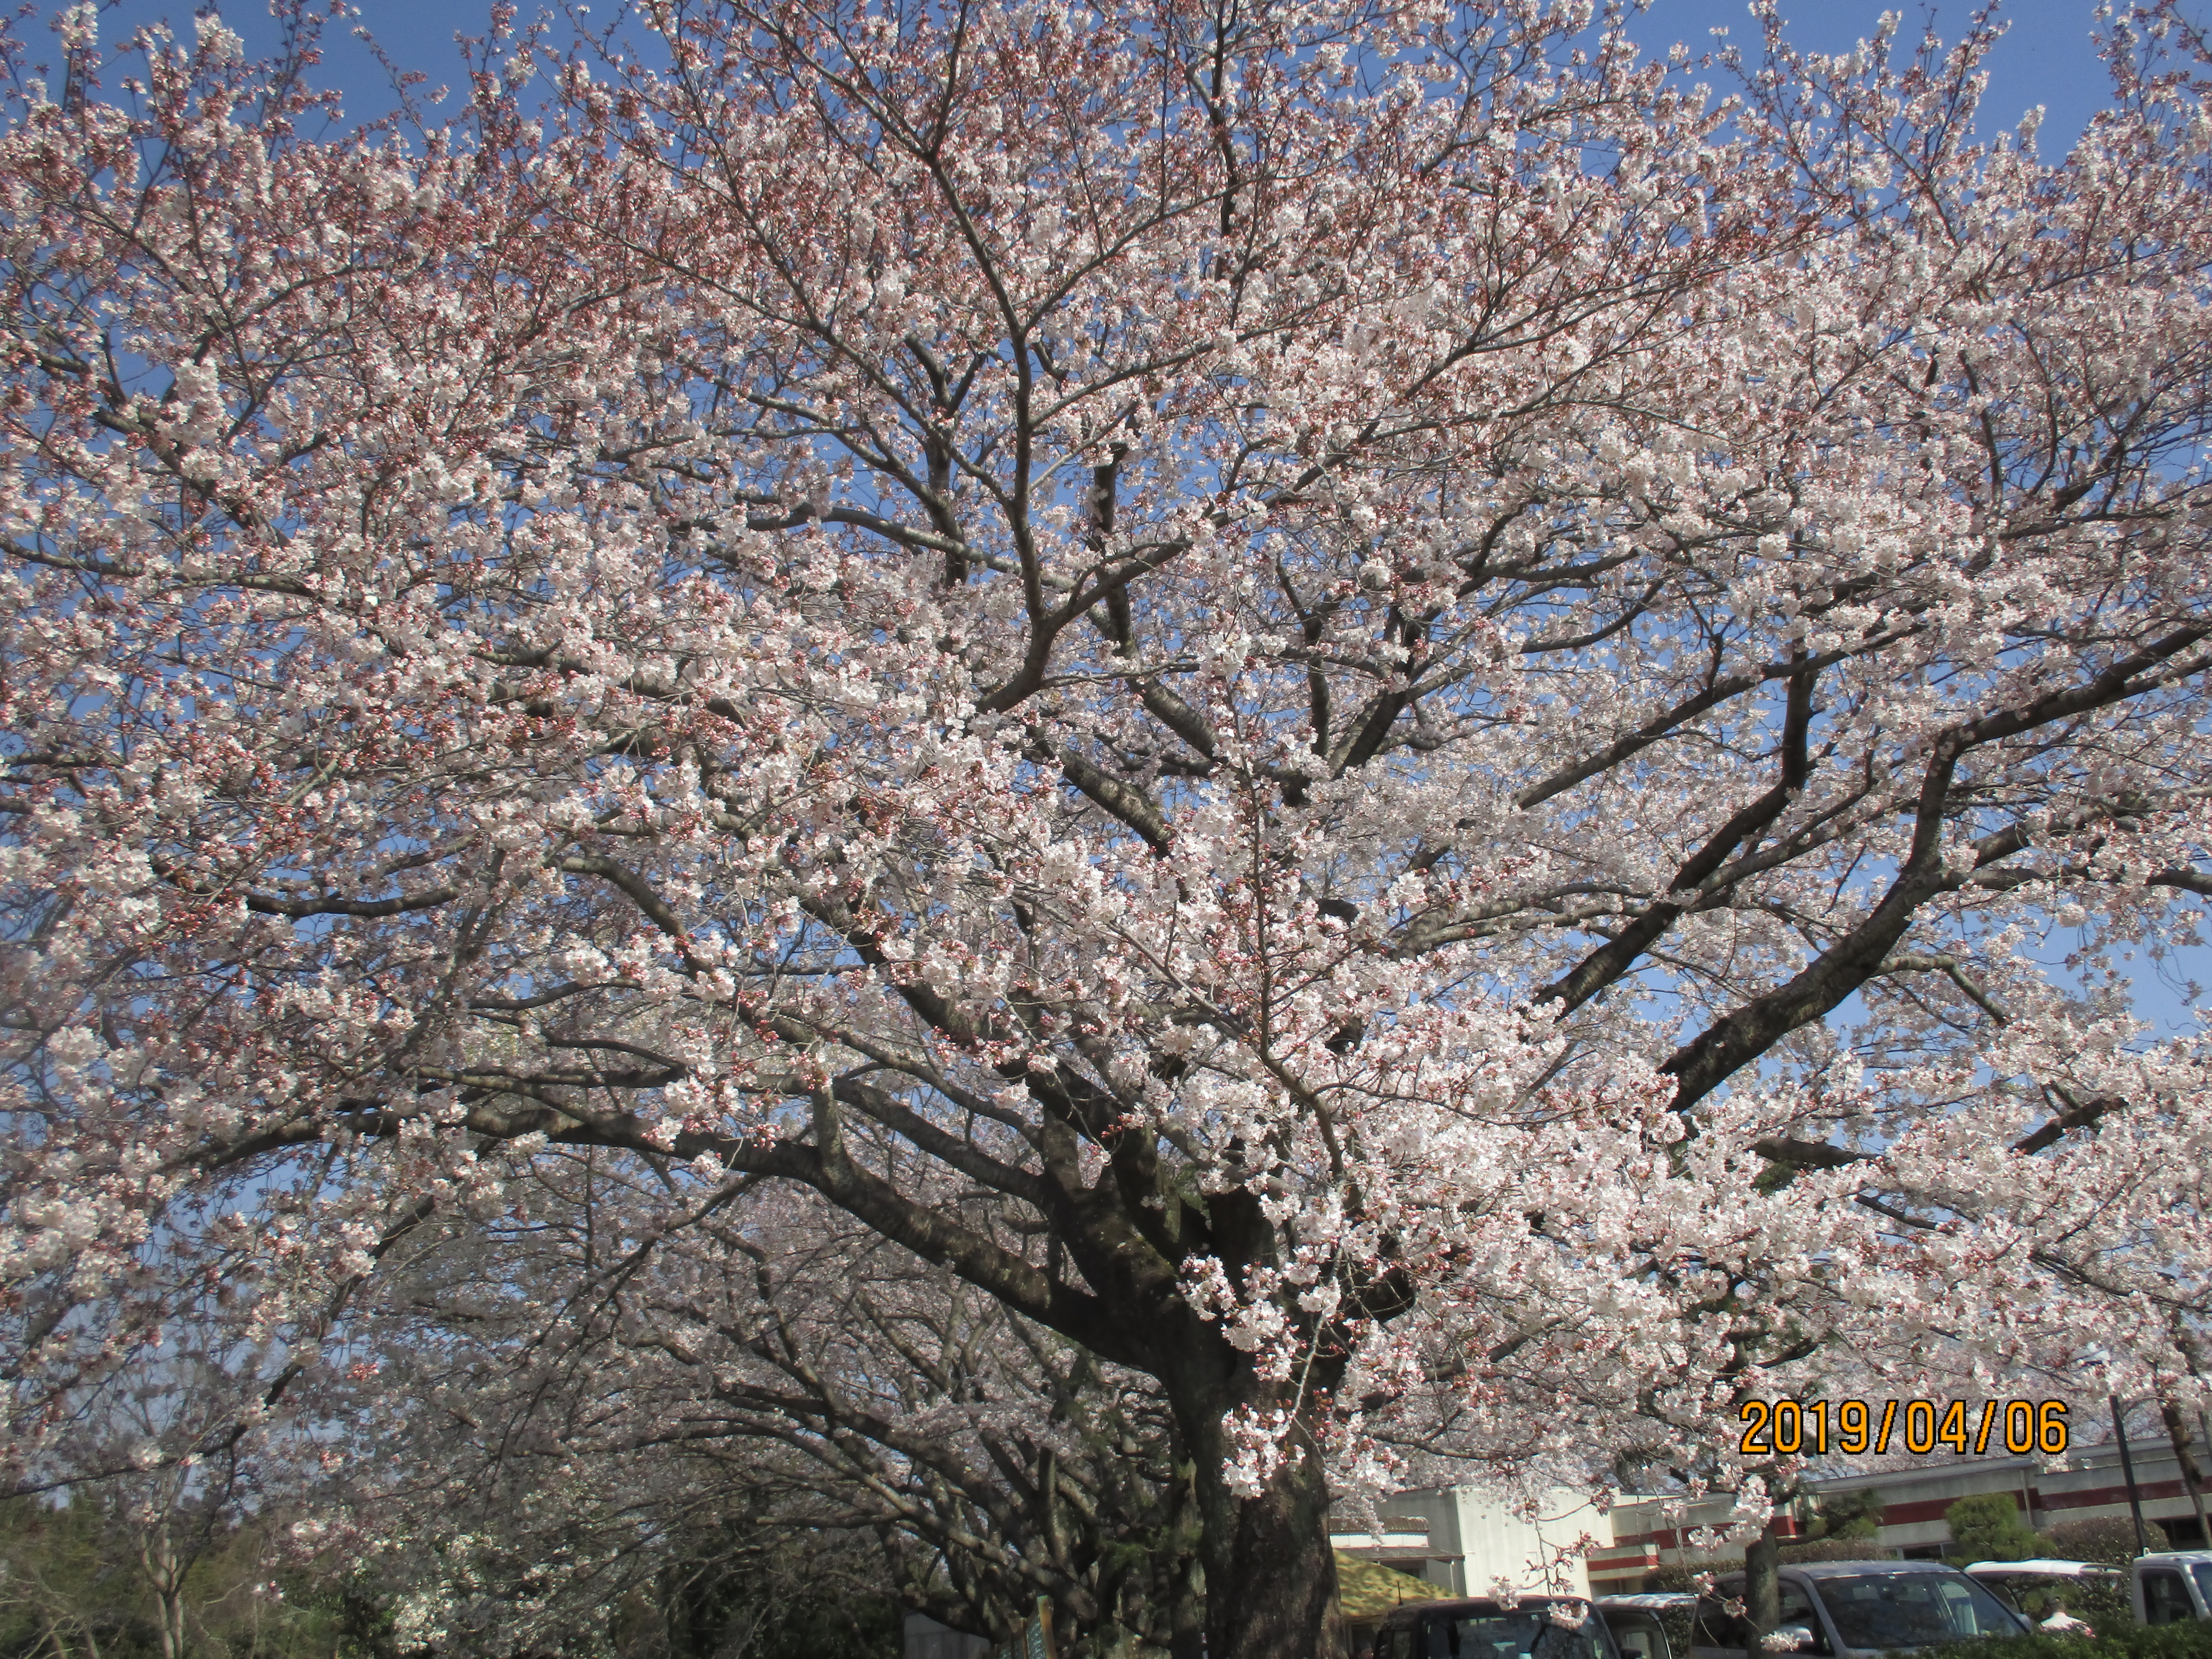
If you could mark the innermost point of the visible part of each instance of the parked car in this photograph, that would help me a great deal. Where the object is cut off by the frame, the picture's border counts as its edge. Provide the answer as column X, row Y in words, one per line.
column 1839, row 1608
column 1638, row 1623
column 2173, row 1586
column 1538, row 1626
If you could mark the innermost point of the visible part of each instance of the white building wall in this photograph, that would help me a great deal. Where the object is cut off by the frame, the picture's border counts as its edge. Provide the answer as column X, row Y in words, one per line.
column 1475, row 1536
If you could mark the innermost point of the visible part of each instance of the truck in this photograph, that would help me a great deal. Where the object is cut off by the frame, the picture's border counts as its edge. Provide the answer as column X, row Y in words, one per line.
column 2173, row 1586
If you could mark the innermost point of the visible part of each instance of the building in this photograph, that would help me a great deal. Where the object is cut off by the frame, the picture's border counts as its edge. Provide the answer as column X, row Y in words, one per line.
column 1463, row 1539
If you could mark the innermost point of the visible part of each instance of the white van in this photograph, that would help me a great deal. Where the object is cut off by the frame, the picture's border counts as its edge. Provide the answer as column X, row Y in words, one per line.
column 2173, row 1587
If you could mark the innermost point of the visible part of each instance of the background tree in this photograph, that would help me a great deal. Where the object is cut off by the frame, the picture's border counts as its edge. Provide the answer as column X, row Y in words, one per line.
column 2107, row 1539
column 59, row 1591
column 774, row 1375
column 78, row 1585
column 720, row 1599
column 1989, row 1526
column 1846, row 1514
column 602, row 1564
column 166, row 1535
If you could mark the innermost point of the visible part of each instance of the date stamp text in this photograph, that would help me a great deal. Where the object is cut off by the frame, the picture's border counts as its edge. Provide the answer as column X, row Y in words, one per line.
column 1799, row 1428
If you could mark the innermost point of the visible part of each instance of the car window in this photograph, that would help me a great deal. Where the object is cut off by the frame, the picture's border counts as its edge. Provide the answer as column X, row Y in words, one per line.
column 1635, row 1642
column 1912, row 1610
column 1795, row 1608
column 2166, row 1598
column 1533, row 1631
column 2202, row 1572
column 1636, row 1634
column 1716, row 1628
column 2006, row 1590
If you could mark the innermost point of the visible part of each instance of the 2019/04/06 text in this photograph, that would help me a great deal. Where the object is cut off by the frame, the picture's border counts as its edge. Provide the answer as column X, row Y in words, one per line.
column 1792, row 1428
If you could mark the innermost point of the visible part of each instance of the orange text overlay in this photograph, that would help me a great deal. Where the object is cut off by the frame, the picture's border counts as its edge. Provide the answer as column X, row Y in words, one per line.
column 1795, row 1428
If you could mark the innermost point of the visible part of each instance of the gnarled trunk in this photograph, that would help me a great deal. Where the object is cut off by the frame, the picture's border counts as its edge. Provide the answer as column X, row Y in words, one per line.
column 1270, row 1574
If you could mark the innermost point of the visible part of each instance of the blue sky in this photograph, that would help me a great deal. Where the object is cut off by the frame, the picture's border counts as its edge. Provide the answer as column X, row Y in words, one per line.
column 2046, row 58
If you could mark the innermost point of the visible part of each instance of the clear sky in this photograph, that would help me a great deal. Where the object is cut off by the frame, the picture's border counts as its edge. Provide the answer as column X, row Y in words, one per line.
column 2045, row 60
column 2046, row 57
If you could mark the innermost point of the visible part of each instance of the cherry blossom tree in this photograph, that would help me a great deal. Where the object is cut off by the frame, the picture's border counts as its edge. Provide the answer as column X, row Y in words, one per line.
column 1424, row 701
column 764, row 1360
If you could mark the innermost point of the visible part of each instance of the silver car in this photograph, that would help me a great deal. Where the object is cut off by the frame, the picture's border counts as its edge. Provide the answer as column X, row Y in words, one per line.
column 1837, row 1609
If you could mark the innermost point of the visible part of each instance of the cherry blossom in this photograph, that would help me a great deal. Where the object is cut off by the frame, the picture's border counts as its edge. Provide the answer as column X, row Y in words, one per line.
column 1365, row 710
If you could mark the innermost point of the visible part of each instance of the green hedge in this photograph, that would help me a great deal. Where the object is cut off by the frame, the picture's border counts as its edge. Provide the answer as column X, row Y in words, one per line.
column 2122, row 1641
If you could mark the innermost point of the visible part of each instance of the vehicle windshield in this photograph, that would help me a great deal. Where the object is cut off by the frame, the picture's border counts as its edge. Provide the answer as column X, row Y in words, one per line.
column 1535, row 1630
column 1912, row 1609
column 2202, row 1572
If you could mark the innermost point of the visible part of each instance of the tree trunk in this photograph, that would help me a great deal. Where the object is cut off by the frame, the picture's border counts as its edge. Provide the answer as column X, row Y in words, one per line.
column 1186, row 1583
column 1187, row 1620
column 1270, row 1574
column 2176, row 1431
column 1762, row 1588
column 157, row 1554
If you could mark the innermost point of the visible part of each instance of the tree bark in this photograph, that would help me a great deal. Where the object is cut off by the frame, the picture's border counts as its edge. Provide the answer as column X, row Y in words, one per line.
column 1270, row 1574
column 2176, row 1431
column 157, row 1555
column 1186, row 1619
column 1762, row 1589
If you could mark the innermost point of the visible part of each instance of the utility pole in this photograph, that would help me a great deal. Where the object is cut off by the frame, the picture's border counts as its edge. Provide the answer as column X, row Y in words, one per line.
column 2128, row 1469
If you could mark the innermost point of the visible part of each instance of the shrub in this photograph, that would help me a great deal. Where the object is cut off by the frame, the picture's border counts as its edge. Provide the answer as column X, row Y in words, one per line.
column 1988, row 1527
column 1863, row 1548
column 2111, row 1539
column 1847, row 1515
column 2127, row 1641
